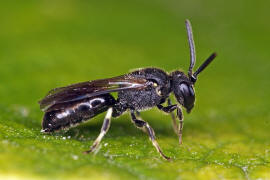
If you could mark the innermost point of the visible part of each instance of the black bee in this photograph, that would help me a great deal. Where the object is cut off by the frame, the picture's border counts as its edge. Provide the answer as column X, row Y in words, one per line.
column 139, row 90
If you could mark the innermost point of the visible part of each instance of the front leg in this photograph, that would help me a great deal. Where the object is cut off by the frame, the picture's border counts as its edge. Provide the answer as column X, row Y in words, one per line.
column 181, row 124
column 169, row 109
column 175, row 125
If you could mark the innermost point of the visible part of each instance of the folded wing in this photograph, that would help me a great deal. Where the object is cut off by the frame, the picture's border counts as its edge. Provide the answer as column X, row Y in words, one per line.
column 89, row 89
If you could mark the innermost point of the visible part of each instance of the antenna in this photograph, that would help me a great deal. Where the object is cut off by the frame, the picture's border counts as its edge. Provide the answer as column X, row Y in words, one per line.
column 193, row 77
column 202, row 67
column 191, row 47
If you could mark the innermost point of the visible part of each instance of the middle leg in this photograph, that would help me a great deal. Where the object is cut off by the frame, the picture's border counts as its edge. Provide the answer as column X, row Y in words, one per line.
column 149, row 130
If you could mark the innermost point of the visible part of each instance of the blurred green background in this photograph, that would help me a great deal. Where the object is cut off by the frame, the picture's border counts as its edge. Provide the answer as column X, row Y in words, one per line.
column 45, row 44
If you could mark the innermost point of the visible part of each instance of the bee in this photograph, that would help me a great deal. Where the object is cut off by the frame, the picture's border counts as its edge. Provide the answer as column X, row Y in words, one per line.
column 139, row 90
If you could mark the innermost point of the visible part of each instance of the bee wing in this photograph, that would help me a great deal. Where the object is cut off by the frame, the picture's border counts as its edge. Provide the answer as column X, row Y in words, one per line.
column 89, row 89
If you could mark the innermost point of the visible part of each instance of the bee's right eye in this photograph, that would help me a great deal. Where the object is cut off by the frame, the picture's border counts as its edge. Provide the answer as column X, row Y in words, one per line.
column 188, row 94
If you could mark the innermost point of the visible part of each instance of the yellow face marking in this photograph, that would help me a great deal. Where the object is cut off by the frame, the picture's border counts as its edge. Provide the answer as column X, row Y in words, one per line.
column 158, row 89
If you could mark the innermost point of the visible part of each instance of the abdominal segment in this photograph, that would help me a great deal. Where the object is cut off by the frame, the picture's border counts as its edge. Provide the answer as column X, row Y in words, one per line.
column 62, row 116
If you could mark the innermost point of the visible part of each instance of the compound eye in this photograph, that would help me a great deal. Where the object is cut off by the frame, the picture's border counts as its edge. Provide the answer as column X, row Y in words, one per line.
column 186, row 90
column 188, row 94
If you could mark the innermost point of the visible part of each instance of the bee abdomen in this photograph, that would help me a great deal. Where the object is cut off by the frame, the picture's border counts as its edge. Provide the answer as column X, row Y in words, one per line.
column 66, row 115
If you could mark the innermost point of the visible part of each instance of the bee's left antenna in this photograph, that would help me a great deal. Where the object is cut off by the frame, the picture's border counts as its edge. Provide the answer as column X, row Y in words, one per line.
column 191, row 47
column 193, row 77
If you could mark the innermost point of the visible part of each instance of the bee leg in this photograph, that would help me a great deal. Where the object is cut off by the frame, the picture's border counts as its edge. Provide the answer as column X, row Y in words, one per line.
column 149, row 130
column 181, row 124
column 103, row 131
column 169, row 109
column 175, row 126
column 138, row 114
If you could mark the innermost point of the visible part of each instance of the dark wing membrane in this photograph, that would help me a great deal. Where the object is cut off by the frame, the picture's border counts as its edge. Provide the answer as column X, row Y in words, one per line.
column 89, row 89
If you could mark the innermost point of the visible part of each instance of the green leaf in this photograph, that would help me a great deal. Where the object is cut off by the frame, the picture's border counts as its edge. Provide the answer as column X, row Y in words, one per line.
column 48, row 44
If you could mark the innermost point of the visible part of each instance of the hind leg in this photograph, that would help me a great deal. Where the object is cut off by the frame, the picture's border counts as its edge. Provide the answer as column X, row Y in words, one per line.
column 103, row 131
column 149, row 130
